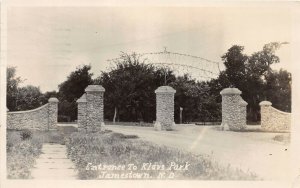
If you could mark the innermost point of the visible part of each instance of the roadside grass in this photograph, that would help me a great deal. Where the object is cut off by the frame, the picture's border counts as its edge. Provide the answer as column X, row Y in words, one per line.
column 93, row 149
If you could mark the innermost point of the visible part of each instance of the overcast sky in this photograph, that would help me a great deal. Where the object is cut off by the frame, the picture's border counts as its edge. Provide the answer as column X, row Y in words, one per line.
column 46, row 44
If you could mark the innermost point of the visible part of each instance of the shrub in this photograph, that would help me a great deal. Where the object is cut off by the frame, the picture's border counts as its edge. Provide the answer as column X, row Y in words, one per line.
column 26, row 134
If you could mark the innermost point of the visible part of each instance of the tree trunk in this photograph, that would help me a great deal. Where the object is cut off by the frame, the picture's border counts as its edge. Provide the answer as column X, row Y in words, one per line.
column 115, row 115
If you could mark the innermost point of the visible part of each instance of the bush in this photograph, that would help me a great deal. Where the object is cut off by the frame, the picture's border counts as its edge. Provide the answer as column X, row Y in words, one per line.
column 115, row 149
column 26, row 134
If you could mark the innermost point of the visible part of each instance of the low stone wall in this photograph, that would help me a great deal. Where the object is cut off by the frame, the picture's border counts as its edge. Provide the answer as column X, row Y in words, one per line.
column 42, row 118
column 273, row 119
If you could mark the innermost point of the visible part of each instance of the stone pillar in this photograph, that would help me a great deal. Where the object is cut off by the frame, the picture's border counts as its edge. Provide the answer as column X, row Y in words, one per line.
column 52, row 113
column 81, row 113
column 164, row 108
column 94, row 108
column 232, row 117
column 243, row 111
column 265, row 114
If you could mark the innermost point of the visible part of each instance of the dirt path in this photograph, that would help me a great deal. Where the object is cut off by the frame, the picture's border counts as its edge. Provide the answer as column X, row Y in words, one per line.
column 53, row 164
column 254, row 151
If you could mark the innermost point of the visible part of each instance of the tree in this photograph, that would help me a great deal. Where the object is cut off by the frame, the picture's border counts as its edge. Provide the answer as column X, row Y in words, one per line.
column 76, row 82
column 72, row 89
column 50, row 94
column 196, row 100
column 258, row 70
column 254, row 76
column 22, row 98
column 12, row 88
column 235, row 62
column 130, row 87
column 29, row 97
column 278, row 89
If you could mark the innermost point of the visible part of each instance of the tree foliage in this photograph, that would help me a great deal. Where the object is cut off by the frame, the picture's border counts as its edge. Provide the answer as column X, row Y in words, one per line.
column 76, row 82
column 29, row 97
column 21, row 98
column 12, row 88
column 254, row 76
column 278, row 89
column 130, row 95
column 72, row 89
column 130, row 87
column 195, row 99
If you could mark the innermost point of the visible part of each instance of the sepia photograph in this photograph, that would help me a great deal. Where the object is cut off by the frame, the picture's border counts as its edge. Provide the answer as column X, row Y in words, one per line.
column 149, row 93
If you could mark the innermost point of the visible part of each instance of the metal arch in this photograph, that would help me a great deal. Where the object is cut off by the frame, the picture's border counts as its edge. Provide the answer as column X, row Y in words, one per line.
column 209, row 73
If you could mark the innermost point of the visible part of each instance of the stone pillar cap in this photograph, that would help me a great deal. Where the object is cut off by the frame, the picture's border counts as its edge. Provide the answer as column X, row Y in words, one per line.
column 82, row 98
column 243, row 103
column 97, row 88
column 165, row 89
column 265, row 103
column 230, row 91
column 53, row 99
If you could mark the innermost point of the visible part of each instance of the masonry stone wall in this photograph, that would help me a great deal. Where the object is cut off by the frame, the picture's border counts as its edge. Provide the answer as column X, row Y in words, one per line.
column 42, row 118
column 273, row 119
column 243, row 111
column 234, row 110
column 164, row 108
column 52, row 112
column 94, row 108
column 81, row 115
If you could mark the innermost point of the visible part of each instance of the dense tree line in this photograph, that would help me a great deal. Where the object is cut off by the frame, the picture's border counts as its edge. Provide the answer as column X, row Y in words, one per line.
column 131, row 83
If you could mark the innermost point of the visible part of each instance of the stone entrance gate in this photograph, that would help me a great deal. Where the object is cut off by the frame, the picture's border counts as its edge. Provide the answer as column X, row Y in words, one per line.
column 91, row 112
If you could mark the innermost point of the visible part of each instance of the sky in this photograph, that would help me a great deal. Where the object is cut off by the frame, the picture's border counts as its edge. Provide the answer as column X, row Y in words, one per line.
column 47, row 43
